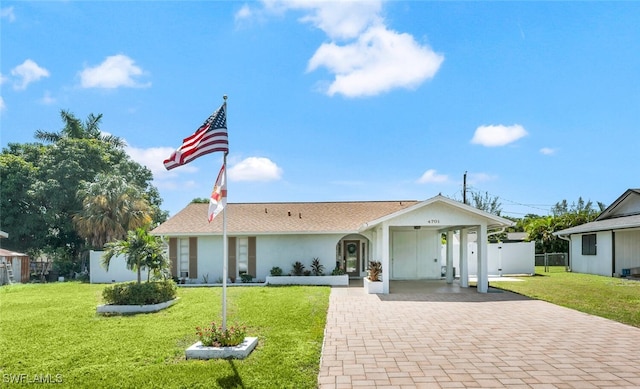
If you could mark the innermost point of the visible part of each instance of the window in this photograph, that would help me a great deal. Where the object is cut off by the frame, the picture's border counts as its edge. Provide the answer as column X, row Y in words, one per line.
column 589, row 244
column 183, row 257
column 243, row 255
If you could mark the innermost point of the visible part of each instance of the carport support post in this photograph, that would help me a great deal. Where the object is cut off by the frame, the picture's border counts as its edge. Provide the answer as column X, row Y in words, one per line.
column 464, row 261
column 450, row 257
column 385, row 258
column 483, row 268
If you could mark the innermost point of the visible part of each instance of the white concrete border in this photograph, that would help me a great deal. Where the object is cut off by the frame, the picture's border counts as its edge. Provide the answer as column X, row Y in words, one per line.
column 129, row 309
column 341, row 280
column 241, row 351
column 372, row 287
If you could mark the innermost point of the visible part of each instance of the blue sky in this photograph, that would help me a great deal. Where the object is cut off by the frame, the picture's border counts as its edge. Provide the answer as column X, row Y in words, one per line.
column 335, row 101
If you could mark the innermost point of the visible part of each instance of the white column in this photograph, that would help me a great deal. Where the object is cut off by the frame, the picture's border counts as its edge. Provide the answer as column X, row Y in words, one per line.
column 464, row 261
column 385, row 258
column 450, row 257
column 483, row 267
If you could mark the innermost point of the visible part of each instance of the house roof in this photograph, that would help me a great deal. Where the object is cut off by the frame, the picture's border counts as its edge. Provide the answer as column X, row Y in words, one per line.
column 620, row 223
column 9, row 253
column 278, row 218
column 622, row 214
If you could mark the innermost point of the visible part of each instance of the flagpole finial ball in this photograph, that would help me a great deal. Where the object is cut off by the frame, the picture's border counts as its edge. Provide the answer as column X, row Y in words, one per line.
column 224, row 97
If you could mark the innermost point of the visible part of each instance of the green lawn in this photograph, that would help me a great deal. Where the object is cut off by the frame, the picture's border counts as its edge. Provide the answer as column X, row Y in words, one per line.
column 614, row 298
column 50, row 329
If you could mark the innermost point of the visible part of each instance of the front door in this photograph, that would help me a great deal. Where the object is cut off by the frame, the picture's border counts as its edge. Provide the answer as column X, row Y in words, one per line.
column 352, row 257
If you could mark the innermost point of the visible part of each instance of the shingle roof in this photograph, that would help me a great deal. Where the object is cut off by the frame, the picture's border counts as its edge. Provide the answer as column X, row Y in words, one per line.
column 276, row 218
column 610, row 219
column 619, row 223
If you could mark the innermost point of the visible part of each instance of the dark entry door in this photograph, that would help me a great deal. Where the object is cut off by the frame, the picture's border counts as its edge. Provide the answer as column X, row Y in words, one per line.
column 352, row 257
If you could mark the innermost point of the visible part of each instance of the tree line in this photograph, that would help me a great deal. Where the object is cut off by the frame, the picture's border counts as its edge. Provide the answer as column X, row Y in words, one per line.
column 539, row 228
column 72, row 191
column 76, row 189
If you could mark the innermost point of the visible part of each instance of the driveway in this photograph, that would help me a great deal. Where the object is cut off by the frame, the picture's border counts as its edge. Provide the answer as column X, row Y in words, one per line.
column 431, row 335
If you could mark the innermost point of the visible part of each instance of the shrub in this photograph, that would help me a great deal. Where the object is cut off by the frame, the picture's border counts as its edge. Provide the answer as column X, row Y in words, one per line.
column 215, row 336
column 297, row 269
column 316, row 267
column 132, row 293
column 337, row 272
column 374, row 270
column 246, row 277
column 306, row 273
column 276, row 271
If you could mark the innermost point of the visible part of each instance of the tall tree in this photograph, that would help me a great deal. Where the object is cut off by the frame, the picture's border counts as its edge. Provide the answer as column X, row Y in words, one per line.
column 486, row 203
column 40, row 184
column 110, row 207
column 75, row 129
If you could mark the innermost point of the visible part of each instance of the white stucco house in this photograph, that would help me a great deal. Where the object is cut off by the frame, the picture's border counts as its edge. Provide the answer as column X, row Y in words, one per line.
column 609, row 245
column 405, row 236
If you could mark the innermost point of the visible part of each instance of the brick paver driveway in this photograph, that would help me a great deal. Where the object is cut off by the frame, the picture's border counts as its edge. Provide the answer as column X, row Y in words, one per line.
column 433, row 336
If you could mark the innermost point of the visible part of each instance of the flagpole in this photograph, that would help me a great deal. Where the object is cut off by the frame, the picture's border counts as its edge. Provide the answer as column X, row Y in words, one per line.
column 225, row 243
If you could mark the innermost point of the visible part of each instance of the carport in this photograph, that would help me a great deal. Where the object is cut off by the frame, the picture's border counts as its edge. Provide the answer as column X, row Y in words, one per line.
column 407, row 242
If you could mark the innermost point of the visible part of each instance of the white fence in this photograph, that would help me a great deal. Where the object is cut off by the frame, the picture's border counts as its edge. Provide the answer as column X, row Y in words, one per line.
column 503, row 258
column 118, row 271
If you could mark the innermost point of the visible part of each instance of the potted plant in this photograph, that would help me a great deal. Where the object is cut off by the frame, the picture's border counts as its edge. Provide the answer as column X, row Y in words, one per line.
column 373, row 281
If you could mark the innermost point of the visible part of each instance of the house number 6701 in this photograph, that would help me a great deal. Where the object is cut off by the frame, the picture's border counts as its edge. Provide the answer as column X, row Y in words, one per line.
column 433, row 221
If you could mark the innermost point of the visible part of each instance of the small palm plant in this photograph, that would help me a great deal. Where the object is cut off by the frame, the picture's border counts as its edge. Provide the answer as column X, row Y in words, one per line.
column 316, row 267
column 374, row 270
column 297, row 269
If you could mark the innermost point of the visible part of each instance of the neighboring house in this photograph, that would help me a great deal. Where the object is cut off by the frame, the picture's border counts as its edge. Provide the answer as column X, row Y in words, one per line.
column 609, row 245
column 404, row 235
column 19, row 264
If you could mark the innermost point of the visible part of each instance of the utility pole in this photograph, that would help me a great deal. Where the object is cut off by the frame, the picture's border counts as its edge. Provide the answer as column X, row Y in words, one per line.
column 464, row 188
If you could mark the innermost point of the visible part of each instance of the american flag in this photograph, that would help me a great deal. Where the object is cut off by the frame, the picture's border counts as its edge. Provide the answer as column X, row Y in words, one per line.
column 209, row 138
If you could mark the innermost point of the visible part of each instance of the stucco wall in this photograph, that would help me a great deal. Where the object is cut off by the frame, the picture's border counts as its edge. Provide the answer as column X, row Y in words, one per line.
column 512, row 258
column 118, row 271
column 600, row 263
column 271, row 250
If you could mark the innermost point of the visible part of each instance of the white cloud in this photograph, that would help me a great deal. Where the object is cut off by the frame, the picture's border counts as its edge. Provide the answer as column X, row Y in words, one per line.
column 114, row 72
column 153, row 157
column 3, row 106
column 500, row 135
column 245, row 12
column 338, row 19
column 365, row 56
column 547, row 151
column 477, row 178
column 255, row 169
column 47, row 99
column 380, row 60
column 431, row 176
column 7, row 13
column 3, row 78
column 27, row 72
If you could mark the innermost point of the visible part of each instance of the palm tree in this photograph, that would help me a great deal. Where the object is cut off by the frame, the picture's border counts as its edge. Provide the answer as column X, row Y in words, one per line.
column 140, row 250
column 110, row 208
column 75, row 129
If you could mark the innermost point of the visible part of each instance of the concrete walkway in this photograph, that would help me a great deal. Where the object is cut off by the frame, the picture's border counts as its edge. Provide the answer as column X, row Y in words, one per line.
column 432, row 335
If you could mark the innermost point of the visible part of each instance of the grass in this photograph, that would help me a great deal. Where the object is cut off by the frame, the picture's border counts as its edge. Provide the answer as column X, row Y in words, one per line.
column 50, row 329
column 613, row 298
